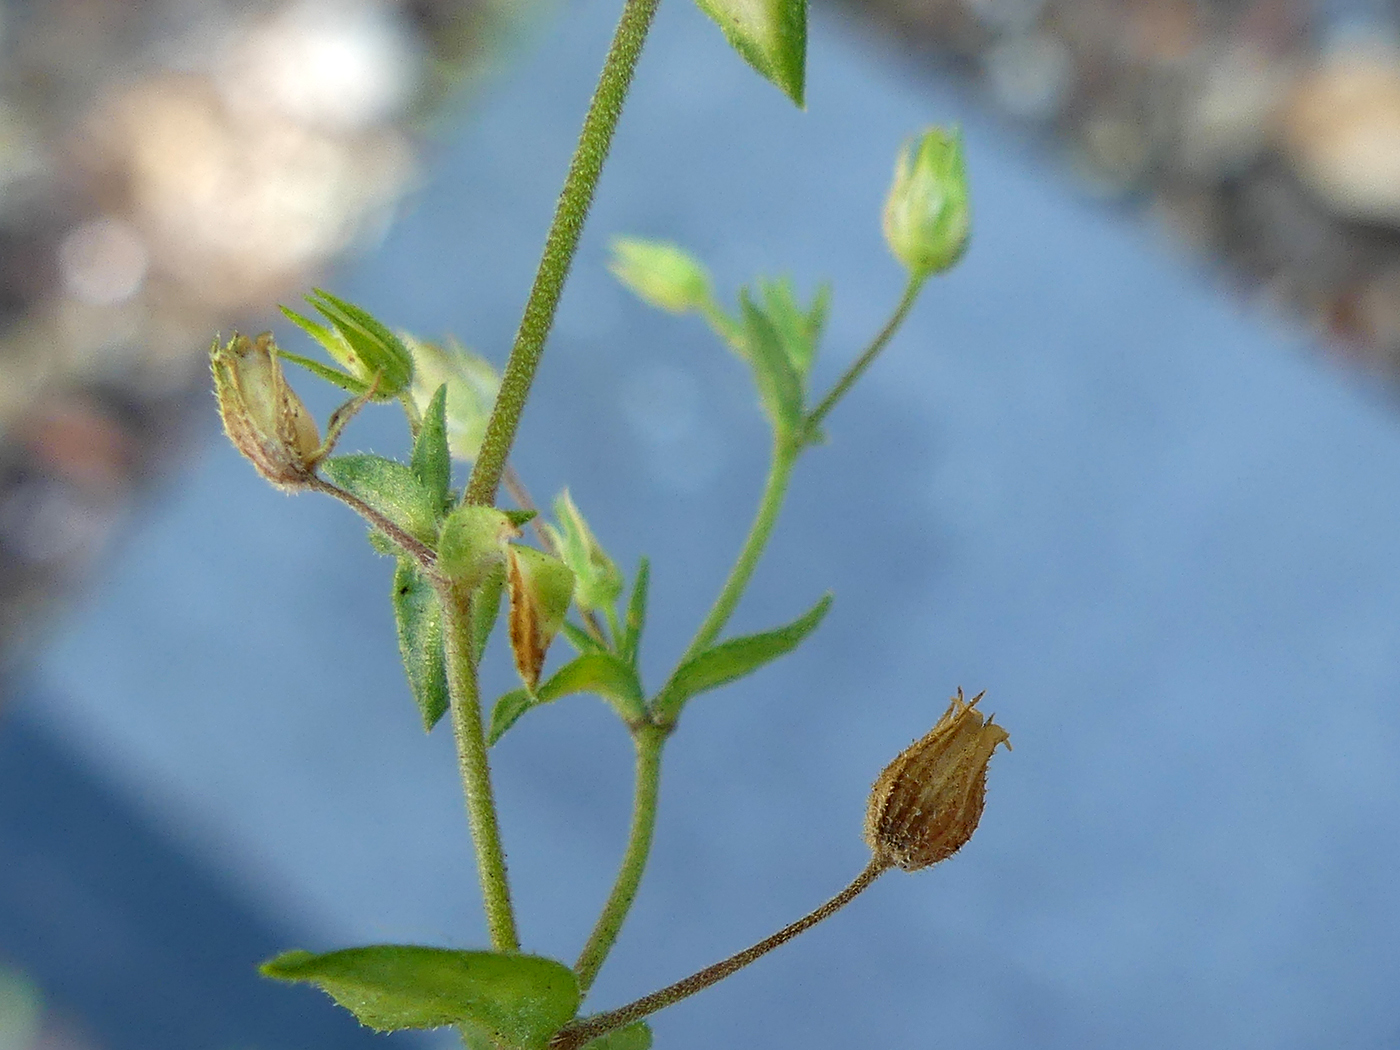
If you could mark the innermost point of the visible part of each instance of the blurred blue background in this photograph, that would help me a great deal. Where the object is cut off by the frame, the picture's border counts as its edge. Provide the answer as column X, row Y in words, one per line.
column 1162, row 535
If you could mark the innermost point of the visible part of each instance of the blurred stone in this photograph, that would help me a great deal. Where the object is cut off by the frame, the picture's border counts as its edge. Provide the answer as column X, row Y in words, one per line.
column 1341, row 134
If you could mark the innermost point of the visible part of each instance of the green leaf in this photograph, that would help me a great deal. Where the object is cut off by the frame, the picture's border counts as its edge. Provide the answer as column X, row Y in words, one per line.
column 331, row 375
column 635, row 1036
column 636, row 614
column 486, row 607
column 521, row 518
column 390, row 488
column 660, row 274
column 431, row 463
column 419, row 619
column 580, row 639
column 798, row 330
column 517, row 1000
column 771, row 35
column 472, row 543
column 599, row 672
column 779, row 388
column 735, row 658
column 506, row 712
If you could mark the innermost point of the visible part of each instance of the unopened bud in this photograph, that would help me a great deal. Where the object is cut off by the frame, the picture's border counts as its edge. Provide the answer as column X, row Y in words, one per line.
column 927, row 217
column 262, row 415
column 597, row 579
column 541, row 588
column 661, row 274
column 927, row 802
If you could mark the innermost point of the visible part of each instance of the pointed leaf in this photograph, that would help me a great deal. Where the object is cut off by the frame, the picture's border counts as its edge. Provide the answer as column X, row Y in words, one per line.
column 506, row 712
column 635, row 1036
column 419, row 620
column 602, row 673
column 486, row 608
column 734, row 659
column 431, row 462
column 779, row 387
column 636, row 614
column 517, row 1000
column 771, row 35
column 330, row 375
column 580, row 639
column 390, row 488
column 521, row 518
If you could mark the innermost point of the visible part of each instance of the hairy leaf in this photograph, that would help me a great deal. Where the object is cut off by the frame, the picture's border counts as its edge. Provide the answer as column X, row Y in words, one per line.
column 390, row 488
column 779, row 386
column 431, row 463
column 636, row 614
column 735, row 659
column 517, row 1000
column 419, row 620
column 771, row 35
column 635, row 1036
column 603, row 673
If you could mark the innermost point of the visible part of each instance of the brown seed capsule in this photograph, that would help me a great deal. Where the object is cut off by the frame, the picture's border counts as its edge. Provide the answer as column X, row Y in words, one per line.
column 262, row 415
column 927, row 802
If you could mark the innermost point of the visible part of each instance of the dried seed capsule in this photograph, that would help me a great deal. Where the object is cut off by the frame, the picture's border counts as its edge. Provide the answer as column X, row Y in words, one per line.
column 262, row 415
column 927, row 802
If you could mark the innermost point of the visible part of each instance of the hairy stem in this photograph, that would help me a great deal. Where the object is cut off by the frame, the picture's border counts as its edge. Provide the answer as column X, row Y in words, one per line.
column 576, row 1034
column 569, row 216
column 648, row 740
column 785, row 453
column 911, row 293
column 419, row 551
column 475, row 768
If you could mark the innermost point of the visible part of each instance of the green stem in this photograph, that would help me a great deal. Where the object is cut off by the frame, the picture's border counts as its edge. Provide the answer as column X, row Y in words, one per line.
column 911, row 293
column 475, row 768
column 578, row 1033
column 785, row 453
column 649, row 741
column 594, row 142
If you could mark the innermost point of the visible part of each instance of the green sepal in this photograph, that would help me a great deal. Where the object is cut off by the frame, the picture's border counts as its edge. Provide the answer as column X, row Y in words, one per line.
column 486, row 607
column 331, row 375
column 517, row 1000
column 597, row 579
column 779, row 386
column 735, row 658
column 635, row 1036
column 472, row 543
column 419, row 620
column 580, row 639
column 373, row 348
column 382, row 544
column 770, row 35
column 604, row 674
column 661, row 274
column 390, row 488
column 431, row 462
column 636, row 614
column 520, row 518
column 798, row 330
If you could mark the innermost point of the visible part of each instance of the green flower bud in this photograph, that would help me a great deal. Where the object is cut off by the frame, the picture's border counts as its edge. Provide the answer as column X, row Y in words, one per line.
column 262, row 415
column 541, row 588
column 472, row 384
column 473, row 541
column 927, row 216
column 928, row 801
column 661, row 274
column 598, row 580
column 367, row 350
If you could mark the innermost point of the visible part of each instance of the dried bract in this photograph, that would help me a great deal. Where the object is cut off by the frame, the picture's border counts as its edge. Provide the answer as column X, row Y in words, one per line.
column 927, row 802
column 262, row 415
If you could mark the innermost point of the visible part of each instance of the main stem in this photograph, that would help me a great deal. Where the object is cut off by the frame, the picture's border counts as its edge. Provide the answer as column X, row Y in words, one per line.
column 475, row 768
column 595, row 140
column 576, row 1034
column 649, row 740
column 785, row 453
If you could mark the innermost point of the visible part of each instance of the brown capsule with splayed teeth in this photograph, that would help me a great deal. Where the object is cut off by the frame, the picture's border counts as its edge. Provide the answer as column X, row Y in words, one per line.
column 927, row 802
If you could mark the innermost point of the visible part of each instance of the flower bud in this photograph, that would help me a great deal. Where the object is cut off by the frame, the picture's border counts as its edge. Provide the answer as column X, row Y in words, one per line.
column 472, row 385
column 661, row 274
column 262, row 415
column 927, row 217
column 927, row 802
column 597, row 579
column 541, row 588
